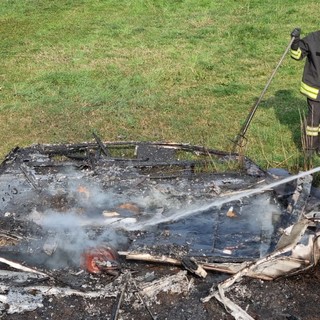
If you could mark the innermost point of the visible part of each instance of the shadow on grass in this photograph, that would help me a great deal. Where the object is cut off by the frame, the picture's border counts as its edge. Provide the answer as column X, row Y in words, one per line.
column 289, row 109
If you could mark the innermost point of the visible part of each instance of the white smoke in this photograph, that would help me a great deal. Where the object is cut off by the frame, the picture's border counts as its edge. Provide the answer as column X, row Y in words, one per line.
column 74, row 228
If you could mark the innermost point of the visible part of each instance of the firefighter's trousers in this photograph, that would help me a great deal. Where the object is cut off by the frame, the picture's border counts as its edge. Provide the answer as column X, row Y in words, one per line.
column 312, row 125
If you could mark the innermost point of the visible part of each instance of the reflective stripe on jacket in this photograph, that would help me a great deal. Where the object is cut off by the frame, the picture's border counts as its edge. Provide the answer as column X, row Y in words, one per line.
column 309, row 48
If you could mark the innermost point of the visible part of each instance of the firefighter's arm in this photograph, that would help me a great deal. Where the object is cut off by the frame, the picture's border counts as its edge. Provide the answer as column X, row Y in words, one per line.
column 299, row 48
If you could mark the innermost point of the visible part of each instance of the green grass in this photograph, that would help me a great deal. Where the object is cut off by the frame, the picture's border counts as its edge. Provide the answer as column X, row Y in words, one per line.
column 183, row 71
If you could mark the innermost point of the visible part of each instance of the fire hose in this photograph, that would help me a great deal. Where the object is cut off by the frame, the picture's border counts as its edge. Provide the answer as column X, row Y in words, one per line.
column 241, row 137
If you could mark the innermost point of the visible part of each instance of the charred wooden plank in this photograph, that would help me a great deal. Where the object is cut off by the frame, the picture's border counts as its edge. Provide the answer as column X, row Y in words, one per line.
column 120, row 297
column 101, row 145
column 30, row 177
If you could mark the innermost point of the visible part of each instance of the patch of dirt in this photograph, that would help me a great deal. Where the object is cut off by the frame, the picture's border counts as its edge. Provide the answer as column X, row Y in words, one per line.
column 288, row 298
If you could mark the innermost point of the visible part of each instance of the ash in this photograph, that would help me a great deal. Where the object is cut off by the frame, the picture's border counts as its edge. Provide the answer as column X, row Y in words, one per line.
column 58, row 201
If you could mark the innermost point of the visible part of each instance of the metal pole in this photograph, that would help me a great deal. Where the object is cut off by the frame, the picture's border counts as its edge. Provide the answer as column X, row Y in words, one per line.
column 241, row 136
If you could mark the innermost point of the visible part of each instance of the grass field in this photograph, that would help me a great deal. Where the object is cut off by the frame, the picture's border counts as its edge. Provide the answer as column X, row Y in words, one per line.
column 158, row 70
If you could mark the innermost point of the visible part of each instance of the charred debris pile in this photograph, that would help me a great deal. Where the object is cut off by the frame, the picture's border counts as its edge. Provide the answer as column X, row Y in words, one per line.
column 76, row 218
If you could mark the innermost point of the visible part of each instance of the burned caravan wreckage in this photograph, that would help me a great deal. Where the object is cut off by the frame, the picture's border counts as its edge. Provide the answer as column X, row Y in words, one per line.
column 148, row 230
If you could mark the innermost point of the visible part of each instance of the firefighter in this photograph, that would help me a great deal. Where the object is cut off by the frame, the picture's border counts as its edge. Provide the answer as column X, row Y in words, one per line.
column 309, row 48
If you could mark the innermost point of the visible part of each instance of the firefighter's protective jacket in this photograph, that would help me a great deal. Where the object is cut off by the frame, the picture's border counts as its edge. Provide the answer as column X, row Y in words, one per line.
column 309, row 47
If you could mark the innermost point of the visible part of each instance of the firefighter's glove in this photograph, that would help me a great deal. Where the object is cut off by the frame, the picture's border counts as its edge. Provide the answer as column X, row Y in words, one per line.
column 296, row 33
